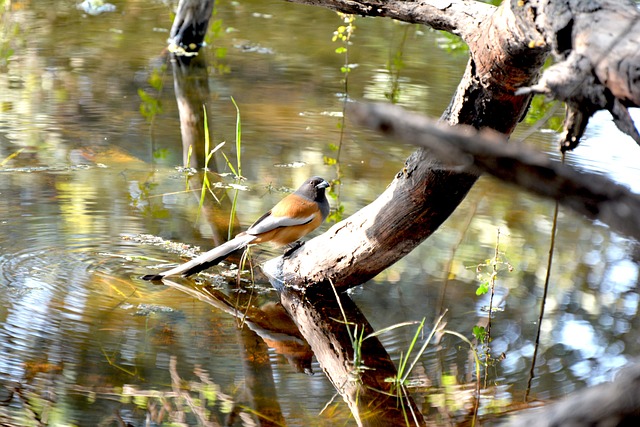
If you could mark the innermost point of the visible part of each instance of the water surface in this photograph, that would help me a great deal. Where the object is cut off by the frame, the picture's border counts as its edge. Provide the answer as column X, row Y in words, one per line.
column 84, row 172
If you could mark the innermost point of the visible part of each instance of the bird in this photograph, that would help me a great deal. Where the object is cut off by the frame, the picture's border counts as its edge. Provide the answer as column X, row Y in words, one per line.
column 293, row 217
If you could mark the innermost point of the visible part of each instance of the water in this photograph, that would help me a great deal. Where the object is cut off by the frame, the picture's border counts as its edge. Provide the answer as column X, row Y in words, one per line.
column 84, row 173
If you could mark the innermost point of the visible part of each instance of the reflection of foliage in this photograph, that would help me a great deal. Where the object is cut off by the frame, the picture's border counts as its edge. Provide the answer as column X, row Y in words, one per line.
column 542, row 111
column 191, row 402
column 151, row 106
column 8, row 33
column 395, row 64
column 198, row 402
column 453, row 399
column 215, row 33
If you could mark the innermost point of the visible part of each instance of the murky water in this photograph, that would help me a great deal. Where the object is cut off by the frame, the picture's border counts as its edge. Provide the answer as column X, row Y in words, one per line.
column 83, row 172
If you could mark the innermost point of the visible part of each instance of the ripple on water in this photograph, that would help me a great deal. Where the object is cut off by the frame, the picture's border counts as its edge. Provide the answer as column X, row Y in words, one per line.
column 43, row 308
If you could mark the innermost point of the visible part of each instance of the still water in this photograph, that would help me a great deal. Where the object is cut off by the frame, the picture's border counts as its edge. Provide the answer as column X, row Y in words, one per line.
column 90, row 160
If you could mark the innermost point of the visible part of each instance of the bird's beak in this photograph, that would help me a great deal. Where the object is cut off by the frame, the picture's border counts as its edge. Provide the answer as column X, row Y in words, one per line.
column 323, row 184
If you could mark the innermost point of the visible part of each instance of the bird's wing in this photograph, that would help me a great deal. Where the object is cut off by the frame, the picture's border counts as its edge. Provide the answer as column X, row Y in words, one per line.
column 268, row 222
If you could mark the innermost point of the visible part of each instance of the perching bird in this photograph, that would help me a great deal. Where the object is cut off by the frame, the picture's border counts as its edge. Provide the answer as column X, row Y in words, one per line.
column 295, row 216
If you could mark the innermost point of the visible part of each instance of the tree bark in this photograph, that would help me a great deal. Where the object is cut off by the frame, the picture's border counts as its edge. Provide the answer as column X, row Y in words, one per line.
column 508, row 46
column 190, row 25
column 597, row 46
column 460, row 17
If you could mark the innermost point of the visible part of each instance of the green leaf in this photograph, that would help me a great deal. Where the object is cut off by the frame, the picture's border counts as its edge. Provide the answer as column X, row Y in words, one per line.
column 329, row 161
column 161, row 153
column 483, row 288
column 480, row 333
column 341, row 49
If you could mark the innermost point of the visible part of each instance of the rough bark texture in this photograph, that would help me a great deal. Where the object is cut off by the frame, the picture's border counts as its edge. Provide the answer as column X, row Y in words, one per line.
column 597, row 44
column 424, row 193
column 460, row 17
column 420, row 198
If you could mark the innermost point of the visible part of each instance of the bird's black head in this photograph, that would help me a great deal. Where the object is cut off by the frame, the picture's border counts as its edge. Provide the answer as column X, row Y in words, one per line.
column 313, row 188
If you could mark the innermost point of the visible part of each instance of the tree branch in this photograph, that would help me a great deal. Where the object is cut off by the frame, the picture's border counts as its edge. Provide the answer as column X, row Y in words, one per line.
column 460, row 17
column 597, row 44
column 610, row 404
column 589, row 194
column 423, row 194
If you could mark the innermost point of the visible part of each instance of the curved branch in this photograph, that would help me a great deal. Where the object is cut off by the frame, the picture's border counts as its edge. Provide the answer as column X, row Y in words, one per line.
column 460, row 17
column 424, row 193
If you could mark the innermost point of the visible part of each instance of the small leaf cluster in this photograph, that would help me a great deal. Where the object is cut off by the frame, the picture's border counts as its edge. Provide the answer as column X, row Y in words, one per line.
column 487, row 272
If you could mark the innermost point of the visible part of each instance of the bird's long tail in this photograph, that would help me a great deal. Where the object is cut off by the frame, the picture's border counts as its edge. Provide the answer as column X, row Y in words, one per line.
column 206, row 260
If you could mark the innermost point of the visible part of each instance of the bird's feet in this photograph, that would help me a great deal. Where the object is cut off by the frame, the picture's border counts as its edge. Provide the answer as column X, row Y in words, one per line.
column 292, row 247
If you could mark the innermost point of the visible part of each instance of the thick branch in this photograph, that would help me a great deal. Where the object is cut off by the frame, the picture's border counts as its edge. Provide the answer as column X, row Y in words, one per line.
column 611, row 404
column 455, row 16
column 424, row 193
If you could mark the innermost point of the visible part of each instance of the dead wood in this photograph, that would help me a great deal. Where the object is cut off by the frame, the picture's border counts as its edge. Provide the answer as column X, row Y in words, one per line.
column 460, row 17
column 589, row 194
column 190, row 25
column 597, row 44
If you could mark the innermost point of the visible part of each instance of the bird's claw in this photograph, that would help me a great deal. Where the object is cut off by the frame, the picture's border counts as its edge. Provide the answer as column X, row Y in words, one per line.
column 292, row 247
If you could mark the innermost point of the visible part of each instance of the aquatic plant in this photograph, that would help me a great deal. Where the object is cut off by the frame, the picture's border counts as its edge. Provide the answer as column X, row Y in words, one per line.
column 487, row 275
column 343, row 34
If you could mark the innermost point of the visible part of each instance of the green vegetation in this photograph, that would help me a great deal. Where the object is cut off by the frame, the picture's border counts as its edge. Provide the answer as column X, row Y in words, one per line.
column 542, row 112
column 394, row 65
column 343, row 34
column 216, row 32
column 401, row 380
column 150, row 105
column 8, row 34
column 487, row 274
column 237, row 171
